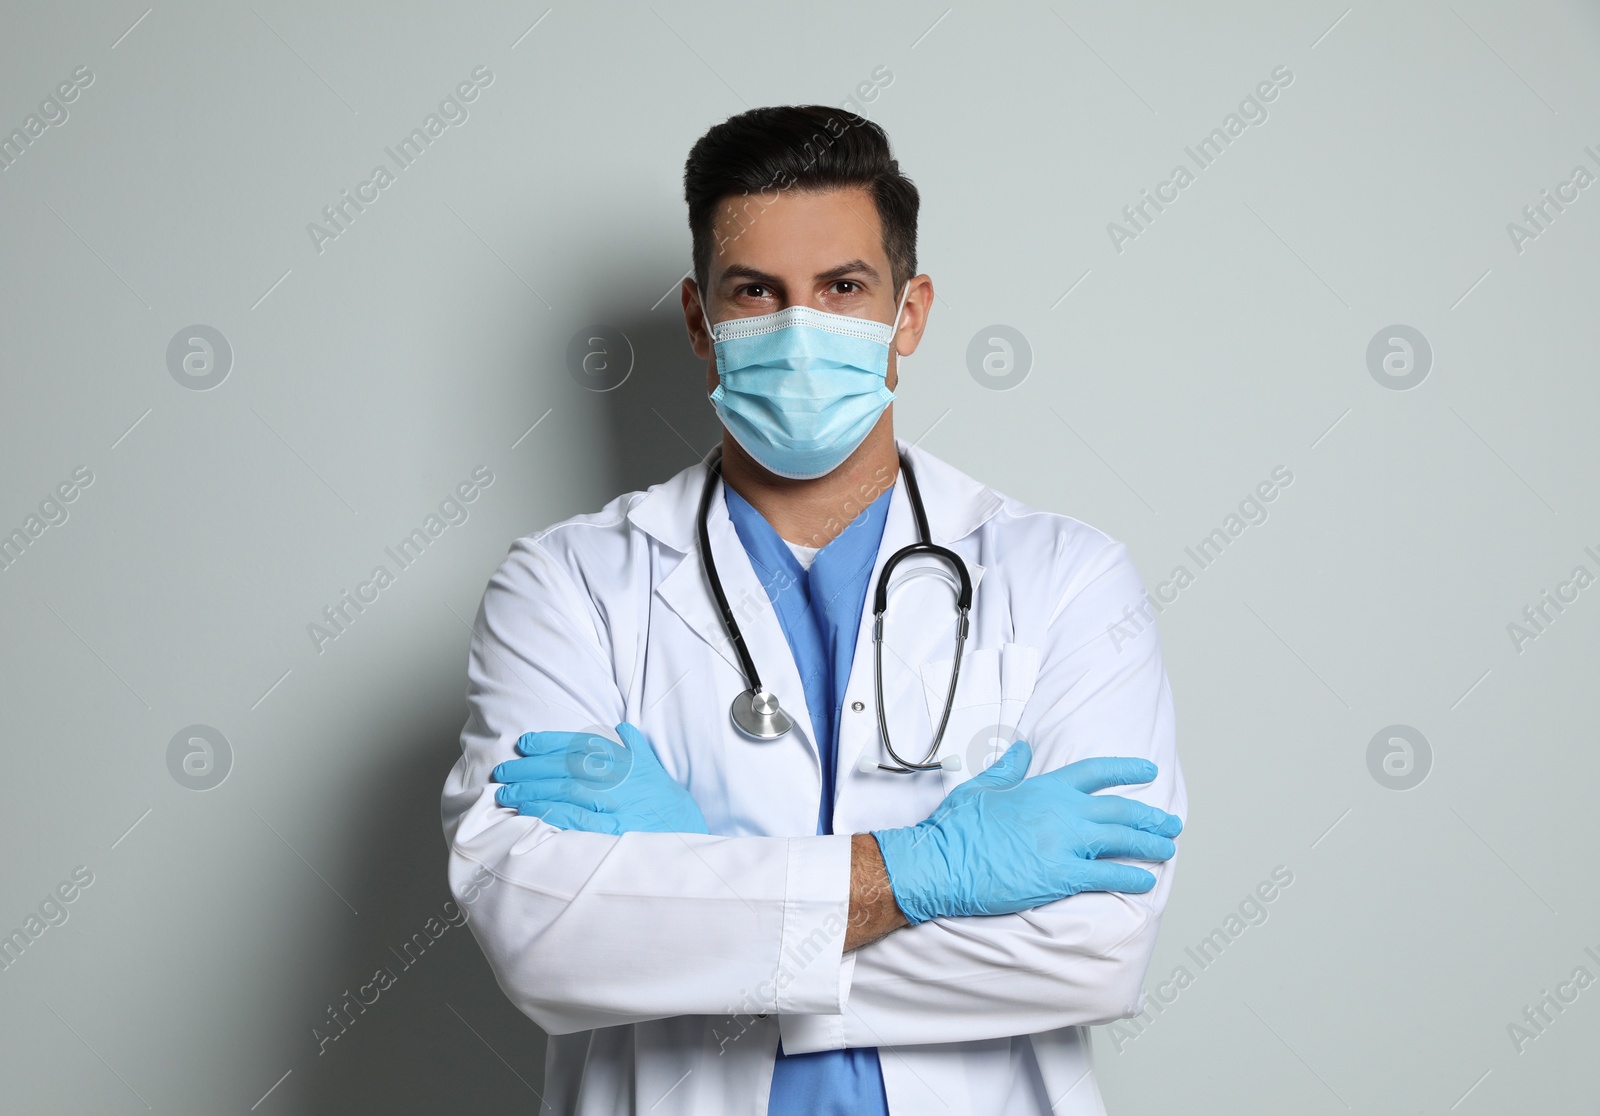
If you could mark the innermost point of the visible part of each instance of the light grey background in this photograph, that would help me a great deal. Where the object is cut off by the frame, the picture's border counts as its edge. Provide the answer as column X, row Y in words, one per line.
column 429, row 339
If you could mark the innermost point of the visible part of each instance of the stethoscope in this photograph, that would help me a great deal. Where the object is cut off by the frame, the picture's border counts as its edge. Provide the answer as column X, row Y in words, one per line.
column 756, row 711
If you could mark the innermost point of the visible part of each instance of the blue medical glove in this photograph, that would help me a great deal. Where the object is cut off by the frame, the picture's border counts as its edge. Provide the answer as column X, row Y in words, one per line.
column 1001, row 843
column 578, row 780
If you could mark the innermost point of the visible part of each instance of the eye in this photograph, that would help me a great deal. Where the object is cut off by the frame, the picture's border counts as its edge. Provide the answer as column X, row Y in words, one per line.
column 847, row 286
column 754, row 290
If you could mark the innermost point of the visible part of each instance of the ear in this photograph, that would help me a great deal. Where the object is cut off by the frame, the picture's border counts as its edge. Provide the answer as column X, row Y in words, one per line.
column 699, row 340
column 914, row 315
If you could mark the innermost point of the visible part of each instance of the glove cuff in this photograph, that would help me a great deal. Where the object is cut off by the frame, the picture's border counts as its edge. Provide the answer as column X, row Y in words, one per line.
column 913, row 859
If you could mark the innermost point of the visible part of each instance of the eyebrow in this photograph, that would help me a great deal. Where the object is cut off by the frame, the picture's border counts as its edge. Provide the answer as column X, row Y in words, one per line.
column 832, row 275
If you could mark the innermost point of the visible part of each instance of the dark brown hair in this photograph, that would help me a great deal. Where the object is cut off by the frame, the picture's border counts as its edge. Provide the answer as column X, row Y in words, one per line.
column 758, row 153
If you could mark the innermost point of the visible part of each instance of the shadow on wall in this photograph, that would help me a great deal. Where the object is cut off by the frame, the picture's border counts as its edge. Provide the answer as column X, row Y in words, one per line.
column 661, row 417
column 414, row 1021
column 421, row 1024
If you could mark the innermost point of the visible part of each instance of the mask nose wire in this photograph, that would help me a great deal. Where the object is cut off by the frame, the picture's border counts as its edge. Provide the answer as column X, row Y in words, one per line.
column 894, row 327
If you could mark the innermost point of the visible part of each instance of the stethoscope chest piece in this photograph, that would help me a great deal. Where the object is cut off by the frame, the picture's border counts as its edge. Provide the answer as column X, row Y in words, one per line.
column 757, row 714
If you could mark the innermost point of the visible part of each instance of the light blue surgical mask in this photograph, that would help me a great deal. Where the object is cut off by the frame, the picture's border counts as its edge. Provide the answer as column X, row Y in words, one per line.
column 801, row 389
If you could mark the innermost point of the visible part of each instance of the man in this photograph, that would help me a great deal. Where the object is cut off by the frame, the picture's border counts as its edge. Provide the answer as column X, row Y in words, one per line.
column 714, row 918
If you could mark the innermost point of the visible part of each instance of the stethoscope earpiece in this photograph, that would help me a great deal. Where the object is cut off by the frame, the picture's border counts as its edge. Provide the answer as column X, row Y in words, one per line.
column 868, row 765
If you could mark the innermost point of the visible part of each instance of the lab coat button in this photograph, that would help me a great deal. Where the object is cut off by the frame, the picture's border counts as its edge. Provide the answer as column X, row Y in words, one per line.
column 857, row 706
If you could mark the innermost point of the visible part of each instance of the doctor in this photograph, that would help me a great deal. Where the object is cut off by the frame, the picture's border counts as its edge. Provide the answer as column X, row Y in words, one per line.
column 723, row 902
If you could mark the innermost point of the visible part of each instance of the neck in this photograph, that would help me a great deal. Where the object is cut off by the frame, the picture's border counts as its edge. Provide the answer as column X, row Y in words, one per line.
column 814, row 512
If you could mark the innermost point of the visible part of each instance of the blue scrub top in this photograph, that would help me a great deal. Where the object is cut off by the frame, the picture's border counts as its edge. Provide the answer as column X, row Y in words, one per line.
column 820, row 612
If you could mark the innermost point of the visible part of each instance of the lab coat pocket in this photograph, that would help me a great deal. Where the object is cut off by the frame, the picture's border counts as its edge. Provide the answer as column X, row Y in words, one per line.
column 992, row 689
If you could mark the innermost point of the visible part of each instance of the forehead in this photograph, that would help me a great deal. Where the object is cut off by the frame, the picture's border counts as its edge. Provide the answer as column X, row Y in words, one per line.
column 797, row 230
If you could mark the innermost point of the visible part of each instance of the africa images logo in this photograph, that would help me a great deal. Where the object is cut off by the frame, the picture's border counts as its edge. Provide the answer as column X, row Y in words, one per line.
column 1252, row 112
column 336, row 618
column 452, row 114
column 53, row 113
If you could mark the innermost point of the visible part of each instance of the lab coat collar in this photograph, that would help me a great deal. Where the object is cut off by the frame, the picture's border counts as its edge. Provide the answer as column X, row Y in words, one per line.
column 685, row 591
column 957, row 504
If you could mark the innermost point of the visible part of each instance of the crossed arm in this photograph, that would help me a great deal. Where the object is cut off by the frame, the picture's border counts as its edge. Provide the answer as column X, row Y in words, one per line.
column 728, row 912
column 999, row 843
column 873, row 911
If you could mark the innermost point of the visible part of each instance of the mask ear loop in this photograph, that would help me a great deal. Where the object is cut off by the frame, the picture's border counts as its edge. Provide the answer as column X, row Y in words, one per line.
column 700, row 298
column 894, row 328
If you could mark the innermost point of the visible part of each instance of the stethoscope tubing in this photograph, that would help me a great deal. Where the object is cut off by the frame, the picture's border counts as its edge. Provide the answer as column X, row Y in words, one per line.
column 924, row 546
column 713, row 474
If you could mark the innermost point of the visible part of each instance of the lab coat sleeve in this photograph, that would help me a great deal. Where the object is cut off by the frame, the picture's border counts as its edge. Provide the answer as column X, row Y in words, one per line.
column 586, row 930
column 1079, row 960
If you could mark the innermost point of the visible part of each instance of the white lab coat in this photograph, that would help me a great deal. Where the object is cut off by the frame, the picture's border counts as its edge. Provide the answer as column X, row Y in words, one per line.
column 665, row 966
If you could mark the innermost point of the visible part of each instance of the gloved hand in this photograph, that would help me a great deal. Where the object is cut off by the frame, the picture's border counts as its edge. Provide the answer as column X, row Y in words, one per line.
column 1001, row 843
column 578, row 780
